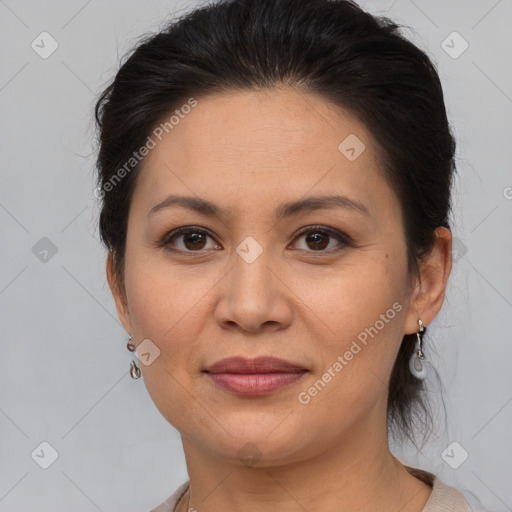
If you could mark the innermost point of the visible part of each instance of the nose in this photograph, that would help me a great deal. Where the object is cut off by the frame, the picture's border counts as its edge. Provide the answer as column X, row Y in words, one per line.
column 254, row 298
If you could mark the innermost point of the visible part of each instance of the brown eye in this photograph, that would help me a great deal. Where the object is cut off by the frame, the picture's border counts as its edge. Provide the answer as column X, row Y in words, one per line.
column 192, row 240
column 319, row 238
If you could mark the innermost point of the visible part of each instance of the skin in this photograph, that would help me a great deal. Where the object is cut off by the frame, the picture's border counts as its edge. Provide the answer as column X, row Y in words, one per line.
column 248, row 152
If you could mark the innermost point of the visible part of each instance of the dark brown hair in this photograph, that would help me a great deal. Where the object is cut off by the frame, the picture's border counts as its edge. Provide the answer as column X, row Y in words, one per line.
column 332, row 47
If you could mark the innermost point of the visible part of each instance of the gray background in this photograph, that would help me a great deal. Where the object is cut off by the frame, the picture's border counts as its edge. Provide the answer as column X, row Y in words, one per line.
column 63, row 364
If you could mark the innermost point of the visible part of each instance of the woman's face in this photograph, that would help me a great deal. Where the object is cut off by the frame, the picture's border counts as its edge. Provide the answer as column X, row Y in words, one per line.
column 271, row 269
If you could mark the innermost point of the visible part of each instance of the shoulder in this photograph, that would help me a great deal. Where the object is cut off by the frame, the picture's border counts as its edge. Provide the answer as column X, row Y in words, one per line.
column 169, row 504
column 444, row 498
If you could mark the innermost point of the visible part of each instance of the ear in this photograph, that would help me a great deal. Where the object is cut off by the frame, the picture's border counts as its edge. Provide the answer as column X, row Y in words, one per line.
column 428, row 295
column 119, row 294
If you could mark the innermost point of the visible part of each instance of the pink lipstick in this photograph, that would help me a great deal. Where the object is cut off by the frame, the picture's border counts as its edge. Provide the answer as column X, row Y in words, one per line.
column 254, row 377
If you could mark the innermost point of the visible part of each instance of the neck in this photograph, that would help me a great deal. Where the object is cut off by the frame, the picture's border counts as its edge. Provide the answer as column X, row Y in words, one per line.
column 359, row 474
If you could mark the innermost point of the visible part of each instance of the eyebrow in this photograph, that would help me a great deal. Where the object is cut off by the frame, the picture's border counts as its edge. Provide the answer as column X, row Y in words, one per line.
column 309, row 204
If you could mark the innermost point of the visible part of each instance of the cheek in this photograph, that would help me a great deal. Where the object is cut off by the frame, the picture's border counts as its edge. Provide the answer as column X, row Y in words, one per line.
column 350, row 299
column 166, row 311
column 165, row 301
column 170, row 306
column 363, row 309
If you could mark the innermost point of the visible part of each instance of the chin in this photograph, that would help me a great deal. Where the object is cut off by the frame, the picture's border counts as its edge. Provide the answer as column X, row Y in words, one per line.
column 261, row 444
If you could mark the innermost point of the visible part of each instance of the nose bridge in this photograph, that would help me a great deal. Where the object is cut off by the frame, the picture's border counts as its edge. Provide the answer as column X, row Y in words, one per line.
column 253, row 296
column 252, row 272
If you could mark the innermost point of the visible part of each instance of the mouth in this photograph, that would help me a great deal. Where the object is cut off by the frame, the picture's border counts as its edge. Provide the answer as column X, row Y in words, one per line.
column 254, row 377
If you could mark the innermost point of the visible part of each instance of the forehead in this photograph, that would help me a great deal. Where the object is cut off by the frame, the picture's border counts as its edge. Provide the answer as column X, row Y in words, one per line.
column 252, row 144
column 242, row 122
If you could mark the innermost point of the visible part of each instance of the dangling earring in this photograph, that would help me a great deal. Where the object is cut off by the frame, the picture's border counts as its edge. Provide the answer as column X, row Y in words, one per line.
column 416, row 363
column 134, row 369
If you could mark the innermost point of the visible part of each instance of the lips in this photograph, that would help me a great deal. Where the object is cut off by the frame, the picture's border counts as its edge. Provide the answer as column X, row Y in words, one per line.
column 254, row 377
column 259, row 365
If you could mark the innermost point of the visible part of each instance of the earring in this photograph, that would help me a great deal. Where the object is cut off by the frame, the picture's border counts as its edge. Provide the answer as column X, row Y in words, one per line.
column 416, row 363
column 134, row 369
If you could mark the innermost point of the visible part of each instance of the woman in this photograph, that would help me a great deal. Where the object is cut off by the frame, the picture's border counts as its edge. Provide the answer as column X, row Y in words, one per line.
column 275, row 180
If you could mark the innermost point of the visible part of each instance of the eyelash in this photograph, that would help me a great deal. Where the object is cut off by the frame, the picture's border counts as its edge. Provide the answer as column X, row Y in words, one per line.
column 344, row 239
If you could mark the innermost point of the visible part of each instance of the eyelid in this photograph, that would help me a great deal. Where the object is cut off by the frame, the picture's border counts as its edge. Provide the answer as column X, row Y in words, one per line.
column 344, row 239
column 166, row 239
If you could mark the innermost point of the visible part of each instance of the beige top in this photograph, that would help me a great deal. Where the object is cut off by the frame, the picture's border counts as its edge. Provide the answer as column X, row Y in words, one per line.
column 442, row 499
